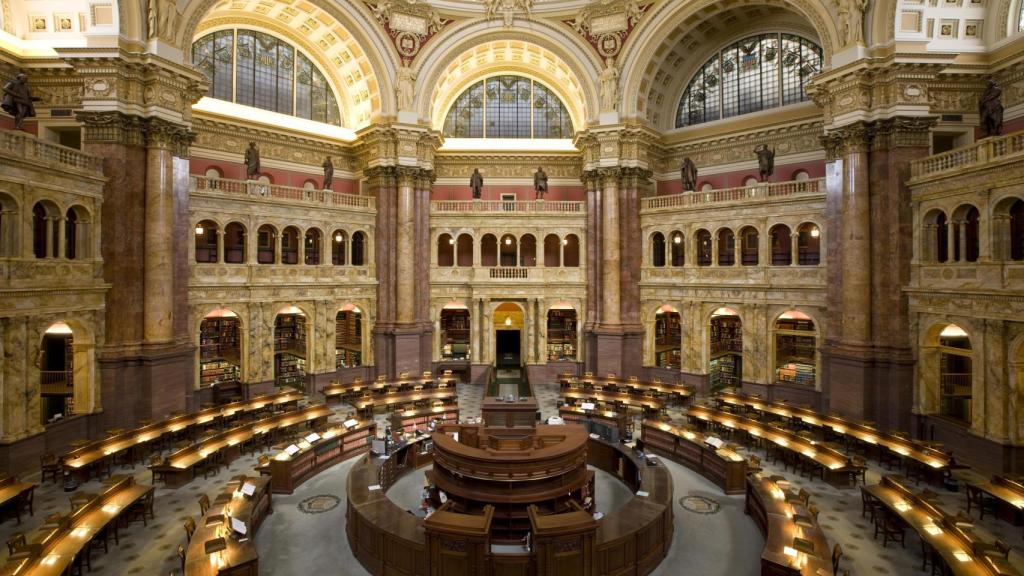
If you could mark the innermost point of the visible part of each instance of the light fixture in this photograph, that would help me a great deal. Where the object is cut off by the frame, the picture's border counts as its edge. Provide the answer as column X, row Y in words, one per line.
column 451, row 241
column 678, row 238
column 508, row 241
column 815, row 232
column 508, row 320
column 199, row 229
column 565, row 241
column 338, row 238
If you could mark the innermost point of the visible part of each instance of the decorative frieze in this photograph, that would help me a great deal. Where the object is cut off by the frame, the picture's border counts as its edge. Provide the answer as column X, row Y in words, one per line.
column 233, row 138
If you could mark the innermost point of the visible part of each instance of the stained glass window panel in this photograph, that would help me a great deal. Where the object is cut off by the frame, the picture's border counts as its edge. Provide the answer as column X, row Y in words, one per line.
column 507, row 107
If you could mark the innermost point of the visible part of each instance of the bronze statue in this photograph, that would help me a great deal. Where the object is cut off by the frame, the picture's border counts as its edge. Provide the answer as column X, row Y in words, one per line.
column 990, row 108
column 689, row 172
column 252, row 162
column 328, row 173
column 476, row 182
column 540, row 183
column 765, row 161
column 18, row 100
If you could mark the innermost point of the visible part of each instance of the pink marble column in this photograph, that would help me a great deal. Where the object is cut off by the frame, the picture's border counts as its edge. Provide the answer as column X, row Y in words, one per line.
column 610, row 257
column 158, row 267
column 405, row 247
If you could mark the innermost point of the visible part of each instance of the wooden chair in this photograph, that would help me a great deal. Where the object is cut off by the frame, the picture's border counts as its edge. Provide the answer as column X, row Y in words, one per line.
column 190, row 528
column 49, row 465
column 859, row 469
column 976, row 497
column 263, row 465
column 204, row 504
column 891, row 527
column 181, row 556
column 803, row 497
column 869, row 504
column 16, row 542
column 837, row 554
column 753, row 464
column 24, row 502
column 813, row 511
column 141, row 510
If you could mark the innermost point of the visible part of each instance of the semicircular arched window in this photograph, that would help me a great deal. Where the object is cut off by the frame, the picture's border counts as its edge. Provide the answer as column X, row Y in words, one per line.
column 508, row 106
column 263, row 71
column 756, row 73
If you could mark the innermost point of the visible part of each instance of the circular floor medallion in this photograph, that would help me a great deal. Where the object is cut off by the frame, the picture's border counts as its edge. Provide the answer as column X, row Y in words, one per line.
column 699, row 505
column 319, row 504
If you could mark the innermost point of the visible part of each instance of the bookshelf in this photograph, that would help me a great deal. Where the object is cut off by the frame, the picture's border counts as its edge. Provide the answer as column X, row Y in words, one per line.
column 422, row 417
column 725, row 371
column 217, row 372
column 455, row 334
column 726, row 335
column 561, row 335
column 290, row 334
column 795, row 349
column 290, row 370
column 348, row 340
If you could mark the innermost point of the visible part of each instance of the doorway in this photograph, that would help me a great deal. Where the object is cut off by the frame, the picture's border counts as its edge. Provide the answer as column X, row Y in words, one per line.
column 508, row 330
column 507, row 343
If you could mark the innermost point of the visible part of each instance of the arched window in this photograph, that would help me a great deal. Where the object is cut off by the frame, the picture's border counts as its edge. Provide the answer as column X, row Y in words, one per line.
column 45, row 229
column 1017, row 230
column 507, row 249
column 206, row 242
column 508, row 106
column 552, row 251
column 260, row 70
column 266, row 244
column 782, row 245
column 800, row 176
column 570, row 251
column 965, row 234
column 8, row 226
column 941, row 238
column 489, row 250
column 339, row 245
column 934, row 237
column 527, row 250
column 756, row 73
column 234, row 243
column 808, row 244
column 313, row 244
column 703, row 246
column 445, row 250
column 464, row 251
column 726, row 247
column 678, row 249
column 748, row 246
column 76, row 233
column 658, row 250
column 290, row 245
column 359, row 249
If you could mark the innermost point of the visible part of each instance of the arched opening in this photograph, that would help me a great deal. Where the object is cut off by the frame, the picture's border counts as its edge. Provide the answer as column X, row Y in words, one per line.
column 266, row 244
column 76, row 233
column 782, row 245
column 507, row 249
column 965, row 234
column 571, row 251
column 290, row 245
column 1016, row 212
column 348, row 337
column 808, row 244
column 668, row 338
column 464, row 251
column 9, row 226
column 508, row 327
column 726, row 247
column 526, row 108
column 677, row 248
column 57, row 373
column 703, row 244
column 955, row 374
column 290, row 348
column 748, row 246
column 212, row 175
column 339, row 245
column 445, row 250
column 800, row 176
column 561, row 335
column 220, row 355
column 309, row 185
column 359, row 249
column 312, row 247
column 552, row 251
column 751, row 181
column 795, row 349
column 658, row 250
column 725, row 368
column 940, row 228
column 206, row 242
column 527, row 250
column 489, row 250
column 234, row 243
column 454, row 325
column 45, row 229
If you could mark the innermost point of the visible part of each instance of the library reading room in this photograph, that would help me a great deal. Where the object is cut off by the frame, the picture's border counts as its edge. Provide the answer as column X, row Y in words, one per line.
column 512, row 287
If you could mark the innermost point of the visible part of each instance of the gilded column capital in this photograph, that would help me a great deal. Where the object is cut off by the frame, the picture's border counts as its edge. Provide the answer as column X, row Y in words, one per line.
column 904, row 131
column 850, row 139
column 111, row 126
column 381, row 176
column 163, row 134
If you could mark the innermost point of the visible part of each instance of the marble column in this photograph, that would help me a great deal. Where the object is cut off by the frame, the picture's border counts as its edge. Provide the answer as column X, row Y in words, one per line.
column 794, row 248
column 220, row 246
column 158, row 259
column 610, row 256
column 405, row 248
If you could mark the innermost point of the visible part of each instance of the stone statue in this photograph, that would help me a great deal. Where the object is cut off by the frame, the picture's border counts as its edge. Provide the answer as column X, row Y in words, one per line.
column 765, row 161
column 540, row 183
column 162, row 19
column 252, row 162
column 851, row 20
column 406, row 88
column 18, row 100
column 689, row 172
column 609, row 85
column 328, row 173
column 476, row 182
column 990, row 109
column 152, row 19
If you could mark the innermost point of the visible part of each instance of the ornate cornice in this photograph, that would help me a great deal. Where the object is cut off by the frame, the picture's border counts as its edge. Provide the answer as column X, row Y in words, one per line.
column 862, row 137
column 232, row 137
column 163, row 134
column 112, row 127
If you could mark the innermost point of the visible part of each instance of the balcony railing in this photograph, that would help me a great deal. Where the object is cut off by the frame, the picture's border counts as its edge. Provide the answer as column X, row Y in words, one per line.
column 973, row 155
column 757, row 192
column 57, row 382
column 256, row 189
column 520, row 273
column 29, row 147
column 504, row 206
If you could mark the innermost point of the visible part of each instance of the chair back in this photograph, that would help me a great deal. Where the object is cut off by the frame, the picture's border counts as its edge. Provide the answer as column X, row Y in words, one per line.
column 204, row 504
column 190, row 528
column 837, row 553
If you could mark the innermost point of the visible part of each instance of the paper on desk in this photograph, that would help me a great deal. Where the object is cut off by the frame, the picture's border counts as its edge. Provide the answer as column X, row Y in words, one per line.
column 643, row 493
column 374, row 487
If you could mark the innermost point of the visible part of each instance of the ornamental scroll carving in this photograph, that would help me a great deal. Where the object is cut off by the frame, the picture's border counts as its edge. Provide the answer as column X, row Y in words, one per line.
column 410, row 25
column 607, row 25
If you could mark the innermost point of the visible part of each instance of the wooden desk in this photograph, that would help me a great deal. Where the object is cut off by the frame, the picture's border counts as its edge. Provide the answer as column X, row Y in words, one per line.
column 959, row 547
column 239, row 557
column 338, row 392
column 576, row 414
column 723, row 466
column 336, row 444
column 617, row 398
column 12, row 490
column 766, row 503
column 368, row 403
column 516, row 414
column 420, row 418
column 1009, row 493
column 678, row 391
column 52, row 548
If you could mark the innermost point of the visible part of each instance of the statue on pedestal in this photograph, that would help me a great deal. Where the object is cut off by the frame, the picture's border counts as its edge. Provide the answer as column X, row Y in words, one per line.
column 609, row 85
column 689, row 172
column 765, row 161
column 406, row 88
column 540, row 183
column 252, row 162
column 18, row 100
column 328, row 173
column 476, row 183
column 990, row 108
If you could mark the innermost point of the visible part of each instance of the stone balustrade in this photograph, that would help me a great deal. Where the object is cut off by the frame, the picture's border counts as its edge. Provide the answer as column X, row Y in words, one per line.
column 758, row 193
column 975, row 155
column 288, row 194
column 507, row 206
column 31, row 148
column 530, row 274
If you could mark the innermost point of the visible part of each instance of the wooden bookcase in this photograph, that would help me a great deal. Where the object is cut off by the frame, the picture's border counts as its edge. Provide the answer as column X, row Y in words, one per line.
column 455, row 334
column 348, row 340
column 562, row 335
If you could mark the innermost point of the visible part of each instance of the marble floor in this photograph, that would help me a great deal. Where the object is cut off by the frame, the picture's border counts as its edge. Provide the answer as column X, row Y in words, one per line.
column 306, row 532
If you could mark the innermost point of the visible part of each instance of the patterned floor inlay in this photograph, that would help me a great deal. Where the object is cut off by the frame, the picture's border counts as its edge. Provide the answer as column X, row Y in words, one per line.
column 319, row 504
column 699, row 505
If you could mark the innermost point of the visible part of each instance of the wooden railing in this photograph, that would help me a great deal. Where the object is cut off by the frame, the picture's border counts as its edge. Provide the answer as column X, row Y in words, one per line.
column 504, row 206
column 288, row 193
column 30, row 147
column 56, row 382
column 757, row 192
column 975, row 154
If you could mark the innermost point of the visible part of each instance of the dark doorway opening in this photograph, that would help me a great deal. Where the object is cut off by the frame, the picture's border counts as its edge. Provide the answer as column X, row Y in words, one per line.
column 507, row 348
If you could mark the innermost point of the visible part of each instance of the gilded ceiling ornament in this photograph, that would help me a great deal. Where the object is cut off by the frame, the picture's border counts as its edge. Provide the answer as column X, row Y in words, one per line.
column 607, row 25
column 507, row 9
column 409, row 24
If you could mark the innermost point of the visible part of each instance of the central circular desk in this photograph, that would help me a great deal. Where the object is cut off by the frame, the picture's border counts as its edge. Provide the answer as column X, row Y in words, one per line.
column 459, row 538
